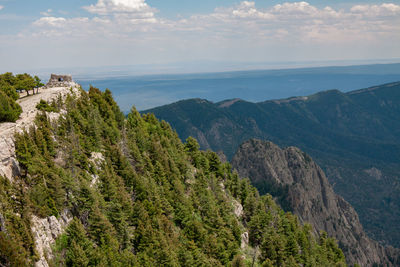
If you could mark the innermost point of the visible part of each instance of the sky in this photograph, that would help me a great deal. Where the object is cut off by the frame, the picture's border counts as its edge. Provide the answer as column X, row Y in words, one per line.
column 88, row 33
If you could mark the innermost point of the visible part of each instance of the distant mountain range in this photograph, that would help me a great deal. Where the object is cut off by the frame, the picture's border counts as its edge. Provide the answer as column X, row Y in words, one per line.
column 353, row 136
column 150, row 91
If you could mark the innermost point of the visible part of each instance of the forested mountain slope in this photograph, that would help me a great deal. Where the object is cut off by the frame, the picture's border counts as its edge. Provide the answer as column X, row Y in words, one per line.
column 96, row 188
column 354, row 137
column 299, row 185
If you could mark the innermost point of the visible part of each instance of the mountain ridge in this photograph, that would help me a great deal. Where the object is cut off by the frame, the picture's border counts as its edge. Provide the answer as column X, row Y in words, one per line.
column 308, row 194
column 345, row 133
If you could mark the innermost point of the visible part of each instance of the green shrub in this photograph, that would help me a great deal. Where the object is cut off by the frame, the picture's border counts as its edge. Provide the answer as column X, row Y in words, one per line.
column 9, row 109
column 44, row 106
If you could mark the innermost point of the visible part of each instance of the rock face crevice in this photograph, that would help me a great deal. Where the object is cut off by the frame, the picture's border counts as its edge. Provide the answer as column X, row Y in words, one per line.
column 311, row 197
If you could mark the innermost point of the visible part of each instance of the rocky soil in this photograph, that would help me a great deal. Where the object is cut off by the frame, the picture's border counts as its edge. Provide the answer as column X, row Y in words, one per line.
column 311, row 197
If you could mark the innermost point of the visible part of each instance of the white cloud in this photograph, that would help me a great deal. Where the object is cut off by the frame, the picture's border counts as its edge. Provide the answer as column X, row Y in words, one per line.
column 123, row 30
column 296, row 8
column 50, row 21
column 1, row 7
column 303, row 22
column 298, row 21
column 113, row 18
column 106, row 7
column 46, row 13
column 385, row 9
column 247, row 9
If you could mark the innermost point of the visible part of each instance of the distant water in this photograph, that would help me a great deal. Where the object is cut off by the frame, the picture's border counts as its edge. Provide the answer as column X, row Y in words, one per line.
column 150, row 91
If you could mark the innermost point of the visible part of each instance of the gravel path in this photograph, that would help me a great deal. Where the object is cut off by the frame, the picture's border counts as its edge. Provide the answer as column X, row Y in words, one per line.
column 8, row 163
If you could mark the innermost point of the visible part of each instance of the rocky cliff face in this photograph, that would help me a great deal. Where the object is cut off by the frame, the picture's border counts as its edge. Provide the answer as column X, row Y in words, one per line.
column 307, row 192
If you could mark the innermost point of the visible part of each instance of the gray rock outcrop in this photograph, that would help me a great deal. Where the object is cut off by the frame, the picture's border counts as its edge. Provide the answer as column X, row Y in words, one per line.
column 311, row 197
column 45, row 232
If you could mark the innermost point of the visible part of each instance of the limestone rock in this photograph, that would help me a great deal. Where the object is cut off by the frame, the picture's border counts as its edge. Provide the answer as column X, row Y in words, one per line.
column 8, row 164
column 311, row 197
column 96, row 158
column 2, row 224
column 238, row 208
column 45, row 232
column 245, row 240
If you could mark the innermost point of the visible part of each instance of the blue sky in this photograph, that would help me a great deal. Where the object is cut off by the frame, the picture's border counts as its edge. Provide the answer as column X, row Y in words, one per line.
column 133, row 32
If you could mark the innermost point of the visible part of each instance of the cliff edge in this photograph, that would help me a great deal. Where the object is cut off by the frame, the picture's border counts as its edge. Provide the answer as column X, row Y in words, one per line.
column 303, row 187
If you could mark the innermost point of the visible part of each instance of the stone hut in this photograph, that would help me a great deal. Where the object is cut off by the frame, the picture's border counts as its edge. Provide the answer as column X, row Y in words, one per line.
column 60, row 81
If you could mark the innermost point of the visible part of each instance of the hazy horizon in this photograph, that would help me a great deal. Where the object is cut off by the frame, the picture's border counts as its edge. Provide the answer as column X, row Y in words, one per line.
column 198, row 67
column 149, row 91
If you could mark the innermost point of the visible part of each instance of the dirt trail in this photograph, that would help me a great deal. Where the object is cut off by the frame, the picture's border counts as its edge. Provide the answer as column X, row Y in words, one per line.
column 8, row 162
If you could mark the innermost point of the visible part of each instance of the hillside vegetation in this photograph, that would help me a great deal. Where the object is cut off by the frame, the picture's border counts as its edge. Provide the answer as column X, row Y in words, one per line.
column 140, row 197
column 354, row 137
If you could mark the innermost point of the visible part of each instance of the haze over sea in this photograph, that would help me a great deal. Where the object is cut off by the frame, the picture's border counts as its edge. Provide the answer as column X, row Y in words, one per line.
column 148, row 91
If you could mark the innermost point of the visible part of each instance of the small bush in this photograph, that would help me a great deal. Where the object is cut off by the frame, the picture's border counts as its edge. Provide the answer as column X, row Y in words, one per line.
column 44, row 106
column 9, row 109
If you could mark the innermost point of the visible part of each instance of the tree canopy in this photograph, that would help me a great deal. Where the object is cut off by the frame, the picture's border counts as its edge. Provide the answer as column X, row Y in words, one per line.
column 9, row 109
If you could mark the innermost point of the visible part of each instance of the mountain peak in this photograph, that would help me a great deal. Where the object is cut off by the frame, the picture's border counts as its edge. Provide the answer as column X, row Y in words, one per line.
column 228, row 103
column 300, row 185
